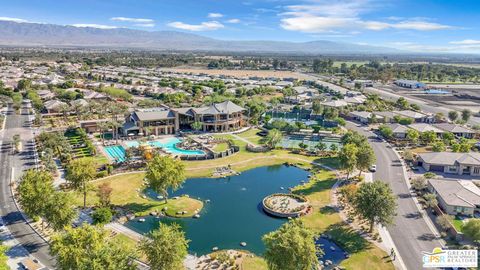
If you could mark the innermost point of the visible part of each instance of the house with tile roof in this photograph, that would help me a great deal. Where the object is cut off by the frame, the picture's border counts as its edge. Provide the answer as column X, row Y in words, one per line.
column 456, row 197
column 451, row 162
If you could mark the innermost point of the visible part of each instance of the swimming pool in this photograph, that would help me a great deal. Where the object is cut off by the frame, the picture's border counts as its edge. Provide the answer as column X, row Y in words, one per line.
column 116, row 152
column 169, row 146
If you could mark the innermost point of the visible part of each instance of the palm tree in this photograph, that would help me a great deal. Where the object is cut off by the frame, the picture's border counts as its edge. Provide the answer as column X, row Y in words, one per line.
column 197, row 125
column 103, row 126
column 77, row 107
column 321, row 146
column 115, row 125
column 273, row 137
column 64, row 109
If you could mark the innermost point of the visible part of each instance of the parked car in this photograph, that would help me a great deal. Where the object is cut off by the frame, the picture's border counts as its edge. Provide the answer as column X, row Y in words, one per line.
column 373, row 168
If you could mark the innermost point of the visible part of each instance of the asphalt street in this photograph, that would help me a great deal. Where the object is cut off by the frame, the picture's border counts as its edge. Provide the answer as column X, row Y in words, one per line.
column 409, row 231
column 11, row 167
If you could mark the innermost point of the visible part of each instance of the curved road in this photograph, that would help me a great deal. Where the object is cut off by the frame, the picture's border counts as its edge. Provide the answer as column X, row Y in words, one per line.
column 11, row 167
column 410, row 231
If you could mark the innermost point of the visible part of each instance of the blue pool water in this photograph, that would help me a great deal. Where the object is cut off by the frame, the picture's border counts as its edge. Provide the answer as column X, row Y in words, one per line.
column 436, row 91
column 169, row 146
column 116, row 152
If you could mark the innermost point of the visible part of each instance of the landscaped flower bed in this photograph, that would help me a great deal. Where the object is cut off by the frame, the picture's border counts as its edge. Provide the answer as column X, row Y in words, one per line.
column 285, row 205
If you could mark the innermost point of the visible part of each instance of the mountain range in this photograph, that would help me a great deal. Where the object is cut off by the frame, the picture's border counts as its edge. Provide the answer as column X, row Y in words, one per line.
column 36, row 34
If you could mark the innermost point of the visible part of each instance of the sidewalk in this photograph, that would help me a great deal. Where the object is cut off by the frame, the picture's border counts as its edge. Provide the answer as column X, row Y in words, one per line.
column 16, row 252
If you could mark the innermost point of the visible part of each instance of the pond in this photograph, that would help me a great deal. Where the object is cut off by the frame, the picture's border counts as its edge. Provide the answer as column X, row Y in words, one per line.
column 234, row 213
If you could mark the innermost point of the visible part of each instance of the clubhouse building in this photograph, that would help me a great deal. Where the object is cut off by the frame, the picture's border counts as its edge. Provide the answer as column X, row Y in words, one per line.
column 218, row 117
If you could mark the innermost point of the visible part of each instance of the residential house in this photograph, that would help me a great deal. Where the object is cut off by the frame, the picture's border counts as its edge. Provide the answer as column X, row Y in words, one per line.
column 456, row 197
column 457, row 130
column 363, row 117
column 422, row 127
column 386, row 116
column 417, row 117
column 360, row 99
column 399, row 131
column 45, row 94
column 54, row 106
column 335, row 103
column 451, row 162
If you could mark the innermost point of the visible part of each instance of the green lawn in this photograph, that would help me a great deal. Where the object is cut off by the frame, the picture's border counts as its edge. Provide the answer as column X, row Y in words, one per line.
column 255, row 263
column 364, row 255
column 128, row 243
column 125, row 194
column 458, row 224
column 220, row 147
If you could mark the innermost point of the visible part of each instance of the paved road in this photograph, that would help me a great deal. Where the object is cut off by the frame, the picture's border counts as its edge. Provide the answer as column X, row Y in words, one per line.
column 410, row 231
column 15, row 164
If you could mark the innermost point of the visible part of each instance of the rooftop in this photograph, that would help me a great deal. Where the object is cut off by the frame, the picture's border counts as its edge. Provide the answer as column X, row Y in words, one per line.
column 457, row 192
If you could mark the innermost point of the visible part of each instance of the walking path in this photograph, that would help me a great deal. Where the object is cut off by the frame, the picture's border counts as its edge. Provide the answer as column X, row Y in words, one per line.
column 243, row 139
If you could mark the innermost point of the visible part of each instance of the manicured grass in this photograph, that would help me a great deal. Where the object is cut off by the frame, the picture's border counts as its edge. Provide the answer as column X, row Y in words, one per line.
column 364, row 255
column 245, row 160
column 125, row 194
column 458, row 224
column 255, row 263
column 128, row 243
column 101, row 160
column 251, row 135
column 220, row 147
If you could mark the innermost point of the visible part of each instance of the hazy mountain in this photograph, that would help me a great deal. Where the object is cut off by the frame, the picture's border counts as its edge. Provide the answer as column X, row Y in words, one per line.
column 34, row 34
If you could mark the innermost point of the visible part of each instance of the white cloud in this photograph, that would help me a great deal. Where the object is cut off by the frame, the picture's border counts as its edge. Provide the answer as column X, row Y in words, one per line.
column 233, row 21
column 318, row 16
column 420, row 25
column 93, row 25
column 204, row 26
column 215, row 15
column 145, row 24
column 466, row 42
column 9, row 19
column 134, row 20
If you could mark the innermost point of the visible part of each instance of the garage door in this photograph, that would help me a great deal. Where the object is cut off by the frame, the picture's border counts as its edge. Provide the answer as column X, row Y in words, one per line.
column 436, row 168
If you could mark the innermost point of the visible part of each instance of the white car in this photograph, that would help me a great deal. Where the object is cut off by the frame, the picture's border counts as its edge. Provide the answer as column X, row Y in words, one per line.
column 373, row 168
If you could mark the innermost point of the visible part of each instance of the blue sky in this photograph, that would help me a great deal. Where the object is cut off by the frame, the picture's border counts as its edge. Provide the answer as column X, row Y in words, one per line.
column 417, row 25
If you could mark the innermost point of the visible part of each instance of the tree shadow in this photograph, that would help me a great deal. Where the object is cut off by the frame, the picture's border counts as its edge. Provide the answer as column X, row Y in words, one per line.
column 347, row 238
column 317, row 186
column 427, row 237
column 327, row 210
column 331, row 162
column 140, row 207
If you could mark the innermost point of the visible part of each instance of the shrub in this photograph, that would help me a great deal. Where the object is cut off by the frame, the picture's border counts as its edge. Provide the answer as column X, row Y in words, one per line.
column 419, row 183
column 101, row 174
column 102, row 215
column 429, row 175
